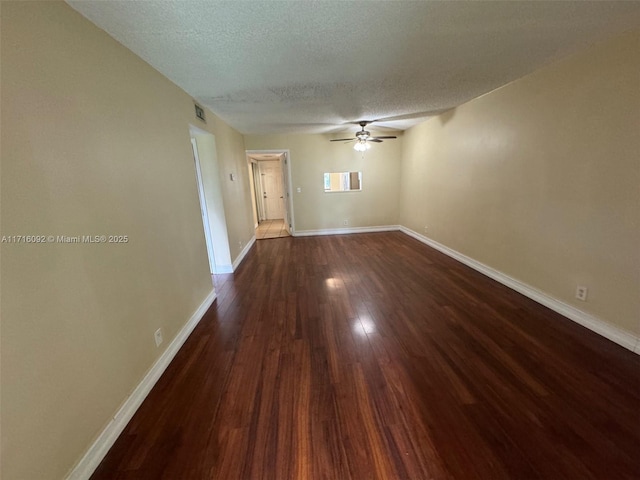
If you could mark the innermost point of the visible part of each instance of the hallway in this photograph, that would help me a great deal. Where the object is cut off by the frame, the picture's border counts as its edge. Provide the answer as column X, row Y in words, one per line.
column 271, row 229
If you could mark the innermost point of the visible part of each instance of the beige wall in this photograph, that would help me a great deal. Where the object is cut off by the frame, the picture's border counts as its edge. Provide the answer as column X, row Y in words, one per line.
column 236, row 193
column 541, row 180
column 313, row 155
column 94, row 141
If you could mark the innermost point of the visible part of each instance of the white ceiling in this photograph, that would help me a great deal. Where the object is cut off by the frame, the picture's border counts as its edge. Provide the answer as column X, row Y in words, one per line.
column 312, row 66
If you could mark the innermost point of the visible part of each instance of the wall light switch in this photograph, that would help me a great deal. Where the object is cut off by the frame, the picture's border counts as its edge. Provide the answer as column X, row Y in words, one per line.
column 298, row 190
column 232, row 176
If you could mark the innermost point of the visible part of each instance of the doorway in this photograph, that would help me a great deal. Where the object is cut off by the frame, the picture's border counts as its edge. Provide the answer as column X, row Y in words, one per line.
column 272, row 191
column 269, row 173
column 214, row 223
column 204, row 211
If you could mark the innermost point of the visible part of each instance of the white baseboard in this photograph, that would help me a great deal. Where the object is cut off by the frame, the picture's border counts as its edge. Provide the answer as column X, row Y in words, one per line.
column 243, row 253
column 613, row 333
column 343, row 231
column 97, row 451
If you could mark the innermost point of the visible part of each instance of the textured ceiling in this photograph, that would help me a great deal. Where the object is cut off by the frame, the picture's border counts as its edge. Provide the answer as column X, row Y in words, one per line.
column 312, row 66
column 264, row 157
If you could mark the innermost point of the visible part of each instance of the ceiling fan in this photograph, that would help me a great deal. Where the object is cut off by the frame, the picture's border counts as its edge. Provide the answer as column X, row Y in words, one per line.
column 363, row 138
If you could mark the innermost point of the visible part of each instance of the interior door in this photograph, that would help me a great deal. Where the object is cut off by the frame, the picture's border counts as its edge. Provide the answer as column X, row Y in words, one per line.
column 272, row 191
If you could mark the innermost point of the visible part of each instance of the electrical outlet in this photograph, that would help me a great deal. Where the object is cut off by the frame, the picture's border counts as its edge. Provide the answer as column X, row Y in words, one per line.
column 581, row 293
column 426, row 228
column 158, row 337
column 345, row 222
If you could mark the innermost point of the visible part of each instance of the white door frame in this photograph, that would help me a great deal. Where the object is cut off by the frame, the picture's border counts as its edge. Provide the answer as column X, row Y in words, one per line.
column 285, row 163
column 287, row 183
column 203, row 209
column 258, row 204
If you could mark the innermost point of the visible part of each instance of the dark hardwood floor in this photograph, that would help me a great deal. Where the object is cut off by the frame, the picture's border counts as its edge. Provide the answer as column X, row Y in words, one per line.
column 373, row 356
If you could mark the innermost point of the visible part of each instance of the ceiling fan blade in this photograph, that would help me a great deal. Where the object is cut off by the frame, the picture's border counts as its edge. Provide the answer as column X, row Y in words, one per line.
column 387, row 137
column 342, row 139
column 375, row 140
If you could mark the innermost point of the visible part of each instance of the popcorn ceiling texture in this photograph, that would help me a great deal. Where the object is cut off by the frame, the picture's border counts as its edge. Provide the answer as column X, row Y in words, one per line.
column 313, row 66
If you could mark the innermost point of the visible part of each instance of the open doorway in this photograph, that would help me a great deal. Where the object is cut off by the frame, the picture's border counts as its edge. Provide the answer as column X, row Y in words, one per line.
column 211, row 204
column 269, row 173
column 204, row 211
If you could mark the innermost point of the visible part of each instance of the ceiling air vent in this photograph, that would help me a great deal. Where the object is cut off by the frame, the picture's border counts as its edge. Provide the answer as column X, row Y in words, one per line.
column 200, row 113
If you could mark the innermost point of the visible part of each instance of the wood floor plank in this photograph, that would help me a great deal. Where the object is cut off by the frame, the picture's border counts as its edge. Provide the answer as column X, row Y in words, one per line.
column 373, row 356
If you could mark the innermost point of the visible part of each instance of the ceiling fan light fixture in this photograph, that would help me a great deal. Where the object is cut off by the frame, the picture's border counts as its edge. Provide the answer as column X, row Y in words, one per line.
column 361, row 146
column 363, row 138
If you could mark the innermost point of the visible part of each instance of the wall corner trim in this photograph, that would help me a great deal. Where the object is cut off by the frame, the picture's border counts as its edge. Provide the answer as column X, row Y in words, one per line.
column 105, row 440
column 243, row 253
column 223, row 269
column 601, row 327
